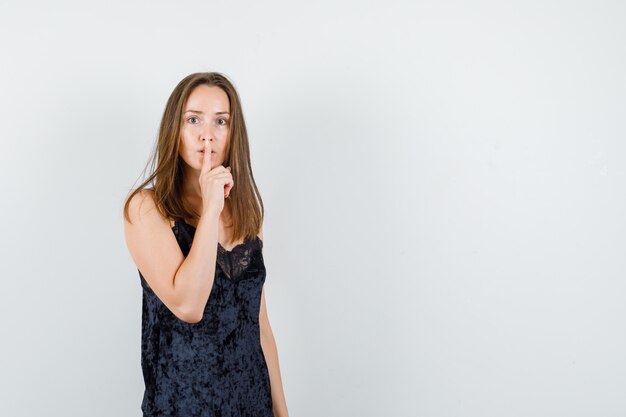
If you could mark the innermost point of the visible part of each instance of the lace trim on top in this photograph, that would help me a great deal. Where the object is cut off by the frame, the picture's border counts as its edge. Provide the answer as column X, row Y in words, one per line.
column 235, row 262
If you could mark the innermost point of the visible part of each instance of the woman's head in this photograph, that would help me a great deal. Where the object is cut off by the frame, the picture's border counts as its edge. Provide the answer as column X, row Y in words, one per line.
column 182, row 132
column 205, row 91
column 206, row 118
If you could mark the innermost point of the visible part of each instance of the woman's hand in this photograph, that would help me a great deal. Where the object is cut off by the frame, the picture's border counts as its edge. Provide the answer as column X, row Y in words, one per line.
column 215, row 184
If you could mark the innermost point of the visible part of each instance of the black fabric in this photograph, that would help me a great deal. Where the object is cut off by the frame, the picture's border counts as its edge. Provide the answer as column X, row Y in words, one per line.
column 215, row 367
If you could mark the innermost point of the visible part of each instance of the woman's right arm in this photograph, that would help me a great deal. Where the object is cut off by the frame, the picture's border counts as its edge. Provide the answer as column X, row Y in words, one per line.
column 182, row 284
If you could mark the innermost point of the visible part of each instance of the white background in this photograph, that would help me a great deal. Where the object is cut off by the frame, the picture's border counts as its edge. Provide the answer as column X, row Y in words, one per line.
column 443, row 182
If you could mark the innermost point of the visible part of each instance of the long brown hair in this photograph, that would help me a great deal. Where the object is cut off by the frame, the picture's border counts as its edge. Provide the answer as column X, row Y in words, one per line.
column 167, row 174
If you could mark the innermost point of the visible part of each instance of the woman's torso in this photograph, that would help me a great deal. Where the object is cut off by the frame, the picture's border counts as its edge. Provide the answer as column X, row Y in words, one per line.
column 215, row 365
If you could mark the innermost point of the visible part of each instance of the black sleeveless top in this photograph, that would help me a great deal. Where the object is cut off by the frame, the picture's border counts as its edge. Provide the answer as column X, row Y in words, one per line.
column 215, row 367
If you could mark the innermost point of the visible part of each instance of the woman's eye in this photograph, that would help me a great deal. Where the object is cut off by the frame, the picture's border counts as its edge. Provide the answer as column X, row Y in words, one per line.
column 192, row 117
column 223, row 120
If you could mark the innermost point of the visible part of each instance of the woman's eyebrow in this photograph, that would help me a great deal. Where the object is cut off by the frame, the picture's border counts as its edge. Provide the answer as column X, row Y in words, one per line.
column 199, row 112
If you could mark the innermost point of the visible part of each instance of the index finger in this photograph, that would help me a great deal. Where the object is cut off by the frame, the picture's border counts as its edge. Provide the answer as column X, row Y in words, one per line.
column 206, row 161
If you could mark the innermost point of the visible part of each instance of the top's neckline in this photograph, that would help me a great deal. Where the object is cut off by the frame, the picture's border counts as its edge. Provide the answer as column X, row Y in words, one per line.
column 219, row 245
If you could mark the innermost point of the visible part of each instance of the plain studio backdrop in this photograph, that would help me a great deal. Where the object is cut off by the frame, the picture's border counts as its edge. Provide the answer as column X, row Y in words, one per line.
column 443, row 182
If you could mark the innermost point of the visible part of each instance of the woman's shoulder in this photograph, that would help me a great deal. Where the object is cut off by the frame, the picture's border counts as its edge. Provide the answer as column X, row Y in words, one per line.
column 144, row 201
column 144, row 194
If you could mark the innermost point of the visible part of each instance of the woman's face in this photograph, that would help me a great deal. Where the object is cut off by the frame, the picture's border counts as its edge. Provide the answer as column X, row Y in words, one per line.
column 206, row 116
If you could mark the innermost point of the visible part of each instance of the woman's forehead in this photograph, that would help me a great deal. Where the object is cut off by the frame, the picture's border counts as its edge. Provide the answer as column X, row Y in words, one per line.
column 209, row 99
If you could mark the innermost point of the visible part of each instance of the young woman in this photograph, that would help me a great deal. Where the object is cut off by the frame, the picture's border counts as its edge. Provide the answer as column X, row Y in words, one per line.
column 207, row 347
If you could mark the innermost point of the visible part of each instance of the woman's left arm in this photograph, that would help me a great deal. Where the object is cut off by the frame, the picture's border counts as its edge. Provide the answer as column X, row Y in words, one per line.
column 271, row 357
